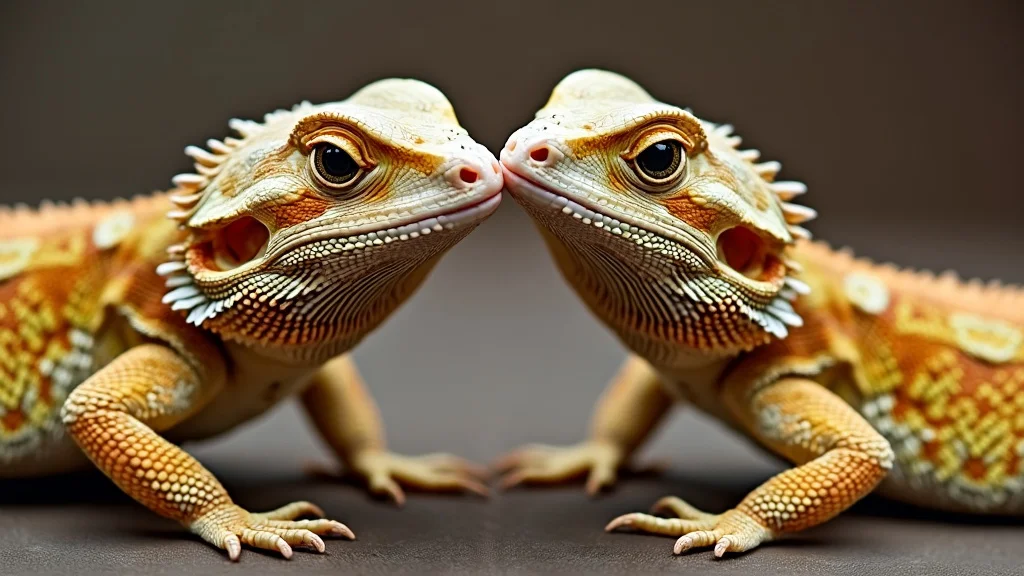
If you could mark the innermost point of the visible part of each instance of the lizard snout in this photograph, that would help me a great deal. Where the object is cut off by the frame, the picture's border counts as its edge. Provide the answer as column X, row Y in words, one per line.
column 534, row 150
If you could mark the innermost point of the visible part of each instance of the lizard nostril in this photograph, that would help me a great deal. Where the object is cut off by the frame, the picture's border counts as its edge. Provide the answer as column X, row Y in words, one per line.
column 539, row 154
column 468, row 175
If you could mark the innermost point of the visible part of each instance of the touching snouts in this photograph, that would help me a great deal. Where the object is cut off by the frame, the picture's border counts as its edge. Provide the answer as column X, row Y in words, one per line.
column 476, row 168
column 529, row 148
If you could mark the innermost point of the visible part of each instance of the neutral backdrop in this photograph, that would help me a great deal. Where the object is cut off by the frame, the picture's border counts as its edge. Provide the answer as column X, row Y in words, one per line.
column 903, row 118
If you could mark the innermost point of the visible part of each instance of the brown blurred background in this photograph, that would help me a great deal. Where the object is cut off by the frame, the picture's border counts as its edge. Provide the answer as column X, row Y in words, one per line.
column 903, row 118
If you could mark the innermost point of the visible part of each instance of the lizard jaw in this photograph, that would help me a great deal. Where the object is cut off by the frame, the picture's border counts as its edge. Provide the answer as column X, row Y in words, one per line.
column 525, row 189
column 774, row 316
column 470, row 212
column 186, row 294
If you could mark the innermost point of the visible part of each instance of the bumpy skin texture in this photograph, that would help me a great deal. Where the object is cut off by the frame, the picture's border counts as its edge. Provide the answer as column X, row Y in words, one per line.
column 860, row 374
column 123, row 331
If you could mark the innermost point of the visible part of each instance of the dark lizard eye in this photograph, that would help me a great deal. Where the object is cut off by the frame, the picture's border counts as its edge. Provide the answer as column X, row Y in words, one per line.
column 660, row 161
column 334, row 166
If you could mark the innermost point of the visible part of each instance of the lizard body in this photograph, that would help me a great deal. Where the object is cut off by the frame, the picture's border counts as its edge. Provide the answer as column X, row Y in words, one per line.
column 693, row 254
column 130, row 325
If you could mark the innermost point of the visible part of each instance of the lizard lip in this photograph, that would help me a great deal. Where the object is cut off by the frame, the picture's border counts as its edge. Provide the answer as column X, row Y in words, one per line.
column 522, row 186
column 469, row 212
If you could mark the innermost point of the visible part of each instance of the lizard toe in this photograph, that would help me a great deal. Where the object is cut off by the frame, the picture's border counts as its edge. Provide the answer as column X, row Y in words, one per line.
column 229, row 527
column 732, row 531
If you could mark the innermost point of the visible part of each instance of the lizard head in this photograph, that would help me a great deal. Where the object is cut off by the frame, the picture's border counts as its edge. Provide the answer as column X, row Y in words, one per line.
column 309, row 228
column 665, row 228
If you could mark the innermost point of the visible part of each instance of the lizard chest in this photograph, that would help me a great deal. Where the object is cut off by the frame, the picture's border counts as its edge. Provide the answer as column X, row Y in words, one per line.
column 255, row 384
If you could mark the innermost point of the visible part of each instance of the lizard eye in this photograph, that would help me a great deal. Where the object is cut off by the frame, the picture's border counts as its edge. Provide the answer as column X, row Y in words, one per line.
column 334, row 167
column 660, row 162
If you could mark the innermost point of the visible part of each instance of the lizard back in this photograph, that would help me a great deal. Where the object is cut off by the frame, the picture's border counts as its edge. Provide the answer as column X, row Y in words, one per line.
column 58, row 267
column 934, row 363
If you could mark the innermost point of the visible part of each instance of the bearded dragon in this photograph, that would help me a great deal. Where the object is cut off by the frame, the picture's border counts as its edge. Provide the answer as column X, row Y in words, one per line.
column 126, row 329
column 691, row 251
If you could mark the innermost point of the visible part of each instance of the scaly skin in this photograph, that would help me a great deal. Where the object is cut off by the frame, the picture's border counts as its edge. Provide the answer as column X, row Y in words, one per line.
column 855, row 372
column 280, row 261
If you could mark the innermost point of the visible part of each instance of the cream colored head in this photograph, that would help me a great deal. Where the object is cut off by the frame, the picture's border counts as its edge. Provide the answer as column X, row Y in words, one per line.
column 308, row 229
column 665, row 228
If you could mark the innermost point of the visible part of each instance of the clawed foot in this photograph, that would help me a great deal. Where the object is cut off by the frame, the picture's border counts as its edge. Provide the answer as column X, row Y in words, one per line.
column 542, row 464
column 385, row 473
column 229, row 526
column 732, row 531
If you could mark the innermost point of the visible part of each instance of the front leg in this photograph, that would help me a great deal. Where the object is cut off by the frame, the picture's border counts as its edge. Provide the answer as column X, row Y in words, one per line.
column 114, row 416
column 628, row 411
column 348, row 420
column 843, row 458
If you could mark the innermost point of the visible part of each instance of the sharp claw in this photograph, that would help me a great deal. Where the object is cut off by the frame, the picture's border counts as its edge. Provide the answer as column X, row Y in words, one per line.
column 317, row 543
column 397, row 495
column 682, row 545
column 339, row 529
column 722, row 546
column 598, row 481
column 233, row 546
column 621, row 521
column 284, row 549
column 385, row 486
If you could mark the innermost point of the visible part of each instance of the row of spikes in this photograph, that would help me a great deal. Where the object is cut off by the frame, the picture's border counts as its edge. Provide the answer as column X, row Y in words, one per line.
column 1009, row 296
column 1006, row 297
column 188, row 194
column 23, row 219
column 207, row 162
column 785, row 191
column 796, row 214
column 779, row 314
column 22, row 209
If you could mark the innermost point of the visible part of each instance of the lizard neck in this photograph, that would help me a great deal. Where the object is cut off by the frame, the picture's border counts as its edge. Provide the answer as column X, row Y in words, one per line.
column 360, row 302
column 697, row 383
column 255, row 383
column 646, row 314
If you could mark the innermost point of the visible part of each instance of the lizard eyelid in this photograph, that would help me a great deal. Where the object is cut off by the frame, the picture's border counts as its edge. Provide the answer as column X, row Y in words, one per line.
column 334, row 167
column 658, row 158
column 346, row 142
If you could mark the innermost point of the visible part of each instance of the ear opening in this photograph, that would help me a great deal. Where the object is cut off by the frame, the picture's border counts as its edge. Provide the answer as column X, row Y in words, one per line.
column 746, row 252
column 238, row 243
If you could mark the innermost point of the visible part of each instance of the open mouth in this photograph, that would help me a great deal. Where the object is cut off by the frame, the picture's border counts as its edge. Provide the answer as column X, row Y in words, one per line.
column 247, row 240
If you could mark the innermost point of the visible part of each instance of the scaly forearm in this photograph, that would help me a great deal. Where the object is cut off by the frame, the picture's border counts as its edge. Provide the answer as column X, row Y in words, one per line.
column 343, row 411
column 115, row 416
column 630, row 408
